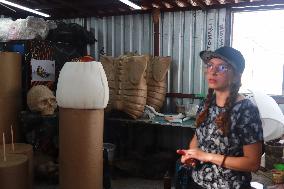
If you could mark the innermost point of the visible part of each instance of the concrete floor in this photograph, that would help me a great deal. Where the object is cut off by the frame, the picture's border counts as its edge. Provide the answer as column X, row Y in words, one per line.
column 139, row 183
column 119, row 183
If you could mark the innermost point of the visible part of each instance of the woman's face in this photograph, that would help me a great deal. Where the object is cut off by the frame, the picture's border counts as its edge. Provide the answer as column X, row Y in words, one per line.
column 219, row 74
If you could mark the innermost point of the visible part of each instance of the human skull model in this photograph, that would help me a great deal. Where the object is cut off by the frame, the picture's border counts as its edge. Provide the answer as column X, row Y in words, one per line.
column 41, row 99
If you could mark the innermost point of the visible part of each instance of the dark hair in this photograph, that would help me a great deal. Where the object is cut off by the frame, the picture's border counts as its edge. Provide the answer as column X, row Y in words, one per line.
column 222, row 120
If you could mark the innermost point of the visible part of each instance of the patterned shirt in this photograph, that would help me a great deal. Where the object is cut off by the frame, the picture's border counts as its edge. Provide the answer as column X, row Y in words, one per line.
column 246, row 128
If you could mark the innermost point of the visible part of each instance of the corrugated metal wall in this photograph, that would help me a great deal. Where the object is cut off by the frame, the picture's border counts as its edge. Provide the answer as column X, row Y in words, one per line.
column 117, row 35
column 183, row 35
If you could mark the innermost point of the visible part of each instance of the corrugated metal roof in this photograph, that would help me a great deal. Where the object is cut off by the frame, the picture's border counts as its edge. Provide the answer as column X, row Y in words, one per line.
column 99, row 8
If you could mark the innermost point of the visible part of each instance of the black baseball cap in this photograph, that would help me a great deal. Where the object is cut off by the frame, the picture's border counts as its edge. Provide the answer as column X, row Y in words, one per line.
column 230, row 55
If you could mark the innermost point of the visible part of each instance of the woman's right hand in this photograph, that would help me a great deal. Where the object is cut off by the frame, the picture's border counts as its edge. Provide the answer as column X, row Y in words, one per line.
column 186, row 159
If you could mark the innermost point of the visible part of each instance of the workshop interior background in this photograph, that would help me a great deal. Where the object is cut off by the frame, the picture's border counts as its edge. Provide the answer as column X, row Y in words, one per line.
column 148, row 68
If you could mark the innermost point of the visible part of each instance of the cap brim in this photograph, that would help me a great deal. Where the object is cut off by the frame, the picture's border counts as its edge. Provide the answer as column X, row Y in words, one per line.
column 208, row 55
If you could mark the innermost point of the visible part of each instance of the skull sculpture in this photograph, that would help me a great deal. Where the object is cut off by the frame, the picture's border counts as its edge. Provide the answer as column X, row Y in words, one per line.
column 41, row 99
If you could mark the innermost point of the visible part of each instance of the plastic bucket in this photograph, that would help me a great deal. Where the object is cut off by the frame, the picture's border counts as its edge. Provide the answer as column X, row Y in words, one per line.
column 110, row 148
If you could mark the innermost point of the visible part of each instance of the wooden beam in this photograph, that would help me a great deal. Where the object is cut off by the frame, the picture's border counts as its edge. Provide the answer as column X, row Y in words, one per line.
column 211, row 2
column 199, row 3
column 156, row 19
column 157, row 4
column 146, row 5
column 208, row 2
column 168, row 4
column 222, row 2
column 182, row 3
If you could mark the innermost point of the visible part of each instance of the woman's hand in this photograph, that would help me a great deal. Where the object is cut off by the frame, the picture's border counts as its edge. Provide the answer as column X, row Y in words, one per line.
column 200, row 155
column 184, row 155
column 195, row 153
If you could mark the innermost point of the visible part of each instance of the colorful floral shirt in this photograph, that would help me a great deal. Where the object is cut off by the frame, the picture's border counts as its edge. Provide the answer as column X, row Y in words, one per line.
column 246, row 128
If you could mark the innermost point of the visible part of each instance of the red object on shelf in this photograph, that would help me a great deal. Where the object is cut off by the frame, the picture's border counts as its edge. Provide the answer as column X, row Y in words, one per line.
column 87, row 58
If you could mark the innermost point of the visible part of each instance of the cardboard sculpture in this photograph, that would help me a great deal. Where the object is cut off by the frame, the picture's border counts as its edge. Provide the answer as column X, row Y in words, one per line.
column 128, row 86
column 132, row 87
column 156, row 81
column 10, row 91
column 82, row 94
column 135, row 81
column 41, row 99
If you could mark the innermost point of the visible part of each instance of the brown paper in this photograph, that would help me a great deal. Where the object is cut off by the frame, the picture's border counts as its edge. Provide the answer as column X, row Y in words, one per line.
column 81, row 148
column 160, row 68
column 10, row 74
column 25, row 149
column 10, row 108
column 10, row 91
column 14, row 172
column 156, row 81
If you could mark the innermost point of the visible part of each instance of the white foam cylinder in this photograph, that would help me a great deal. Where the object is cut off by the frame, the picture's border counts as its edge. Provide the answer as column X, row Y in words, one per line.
column 82, row 94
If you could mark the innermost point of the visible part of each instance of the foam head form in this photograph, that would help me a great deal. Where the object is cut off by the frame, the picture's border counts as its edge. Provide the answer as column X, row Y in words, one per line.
column 82, row 86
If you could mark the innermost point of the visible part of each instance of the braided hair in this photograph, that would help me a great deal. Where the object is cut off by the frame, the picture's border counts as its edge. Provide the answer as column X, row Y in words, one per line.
column 203, row 115
column 222, row 120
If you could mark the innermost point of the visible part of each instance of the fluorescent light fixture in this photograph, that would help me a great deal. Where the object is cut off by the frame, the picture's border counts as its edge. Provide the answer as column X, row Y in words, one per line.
column 24, row 8
column 129, row 3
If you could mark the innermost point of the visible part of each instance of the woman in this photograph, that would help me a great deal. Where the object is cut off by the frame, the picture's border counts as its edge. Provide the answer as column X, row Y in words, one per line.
column 228, row 138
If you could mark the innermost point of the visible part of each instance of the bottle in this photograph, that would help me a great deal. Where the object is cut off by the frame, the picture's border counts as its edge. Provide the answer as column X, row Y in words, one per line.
column 167, row 181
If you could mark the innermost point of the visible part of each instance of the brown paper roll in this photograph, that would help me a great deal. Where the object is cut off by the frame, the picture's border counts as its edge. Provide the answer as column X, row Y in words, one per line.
column 10, row 74
column 10, row 91
column 14, row 172
column 25, row 149
column 81, row 148
column 9, row 108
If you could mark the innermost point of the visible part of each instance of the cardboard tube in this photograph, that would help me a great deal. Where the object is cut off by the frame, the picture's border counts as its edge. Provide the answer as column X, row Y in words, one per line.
column 25, row 149
column 10, row 108
column 14, row 172
column 81, row 148
column 10, row 74
column 10, row 91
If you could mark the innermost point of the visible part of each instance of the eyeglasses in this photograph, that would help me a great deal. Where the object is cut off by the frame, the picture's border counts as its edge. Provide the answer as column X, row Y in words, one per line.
column 221, row 68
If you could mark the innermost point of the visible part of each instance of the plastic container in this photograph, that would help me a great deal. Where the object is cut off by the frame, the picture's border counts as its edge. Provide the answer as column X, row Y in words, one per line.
column 110, row 150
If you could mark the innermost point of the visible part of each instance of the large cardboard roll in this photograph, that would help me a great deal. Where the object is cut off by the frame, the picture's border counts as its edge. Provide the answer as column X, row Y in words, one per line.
column 10, row 74
column 9, row 108
column 81, row 145
column 14, row 172
column 10, row 91
column 25, row 149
